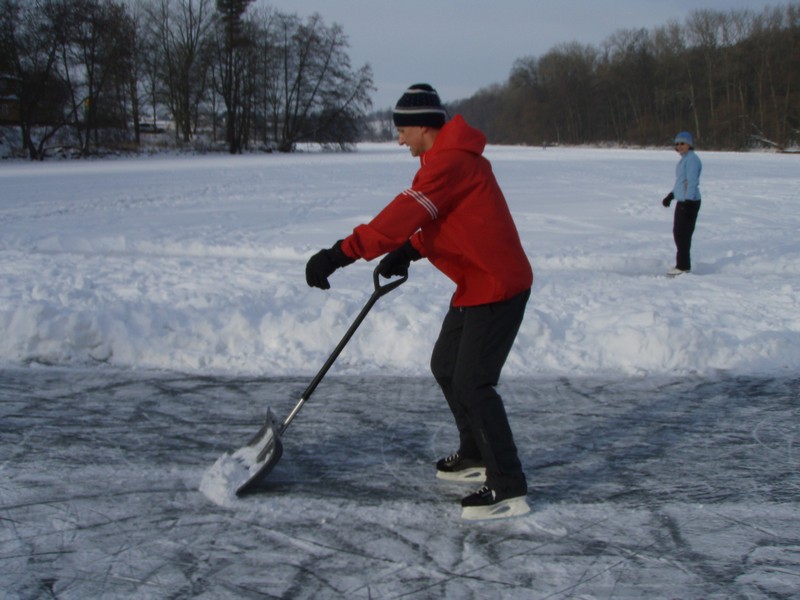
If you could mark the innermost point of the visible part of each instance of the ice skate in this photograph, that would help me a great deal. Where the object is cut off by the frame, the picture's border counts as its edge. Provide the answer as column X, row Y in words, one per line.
column 458, row 468
column 486, row 503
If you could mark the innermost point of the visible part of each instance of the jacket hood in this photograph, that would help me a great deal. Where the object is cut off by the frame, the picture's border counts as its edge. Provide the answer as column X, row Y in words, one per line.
column 458, row 135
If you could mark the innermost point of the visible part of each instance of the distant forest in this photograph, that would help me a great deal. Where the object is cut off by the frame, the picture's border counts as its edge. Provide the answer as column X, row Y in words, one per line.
column 98, row 74
column 233, row 75
column 732, row 78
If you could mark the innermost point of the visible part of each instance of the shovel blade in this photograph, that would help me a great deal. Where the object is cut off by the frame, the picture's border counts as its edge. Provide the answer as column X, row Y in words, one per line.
column 258, row 457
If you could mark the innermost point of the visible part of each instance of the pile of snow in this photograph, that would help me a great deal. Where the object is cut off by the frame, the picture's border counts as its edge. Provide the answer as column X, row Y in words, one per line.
column 196, row 264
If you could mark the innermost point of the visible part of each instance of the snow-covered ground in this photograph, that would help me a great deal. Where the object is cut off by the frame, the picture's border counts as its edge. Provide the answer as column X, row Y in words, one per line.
column 196, row 264
column 152, row 308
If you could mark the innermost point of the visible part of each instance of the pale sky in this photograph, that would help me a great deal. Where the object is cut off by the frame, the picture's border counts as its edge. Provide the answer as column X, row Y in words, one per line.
column 461, row 46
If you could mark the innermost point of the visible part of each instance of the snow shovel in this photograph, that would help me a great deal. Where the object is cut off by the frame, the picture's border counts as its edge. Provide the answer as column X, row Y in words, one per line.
column 258, row 457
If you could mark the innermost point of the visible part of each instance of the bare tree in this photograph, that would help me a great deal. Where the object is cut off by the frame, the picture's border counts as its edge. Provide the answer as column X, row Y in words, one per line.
column 670, row 93
column 567, row 73
column 30, row 42
column 315, row 96
column 136, row 69
column 626, row 74
column 232, row 69
column 182, row 30
column 95, row 54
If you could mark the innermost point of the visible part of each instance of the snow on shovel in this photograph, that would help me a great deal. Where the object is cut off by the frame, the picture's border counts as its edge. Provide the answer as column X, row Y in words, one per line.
column 247, row 467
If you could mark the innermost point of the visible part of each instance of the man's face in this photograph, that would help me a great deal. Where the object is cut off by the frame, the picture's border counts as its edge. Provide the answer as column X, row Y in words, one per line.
column 413, row 138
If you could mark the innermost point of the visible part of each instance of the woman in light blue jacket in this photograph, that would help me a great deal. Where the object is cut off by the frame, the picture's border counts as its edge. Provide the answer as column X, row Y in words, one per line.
column 686, row 193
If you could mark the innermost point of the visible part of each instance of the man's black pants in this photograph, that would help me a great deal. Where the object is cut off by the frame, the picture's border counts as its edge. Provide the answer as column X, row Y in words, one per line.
column 468, row 356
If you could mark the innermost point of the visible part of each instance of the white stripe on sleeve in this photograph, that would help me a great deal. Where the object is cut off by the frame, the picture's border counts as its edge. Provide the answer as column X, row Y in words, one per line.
column 424, row 201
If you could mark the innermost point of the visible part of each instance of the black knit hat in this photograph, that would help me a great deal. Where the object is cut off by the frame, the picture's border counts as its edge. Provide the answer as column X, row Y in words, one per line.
column 419, row 106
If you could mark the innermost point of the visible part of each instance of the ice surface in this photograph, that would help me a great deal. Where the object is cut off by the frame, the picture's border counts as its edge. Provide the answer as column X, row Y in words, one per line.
column 640, row 488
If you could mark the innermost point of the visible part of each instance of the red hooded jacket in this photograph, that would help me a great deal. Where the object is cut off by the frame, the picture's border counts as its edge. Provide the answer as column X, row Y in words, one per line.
column 456, row 216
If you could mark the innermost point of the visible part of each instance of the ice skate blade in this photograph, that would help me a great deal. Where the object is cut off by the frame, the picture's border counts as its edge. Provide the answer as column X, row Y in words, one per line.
column 673, row 273
column 477, row 474
column 513, row 507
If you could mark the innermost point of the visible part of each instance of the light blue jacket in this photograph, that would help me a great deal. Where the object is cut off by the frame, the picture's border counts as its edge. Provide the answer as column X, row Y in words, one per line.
column 687, row 177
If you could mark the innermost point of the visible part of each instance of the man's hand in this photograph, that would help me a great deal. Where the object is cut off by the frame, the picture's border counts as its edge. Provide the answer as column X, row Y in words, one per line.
column 396, row 262
column 320, row 266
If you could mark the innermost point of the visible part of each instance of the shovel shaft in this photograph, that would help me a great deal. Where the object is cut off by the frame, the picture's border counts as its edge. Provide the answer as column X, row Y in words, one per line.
column 380, row 290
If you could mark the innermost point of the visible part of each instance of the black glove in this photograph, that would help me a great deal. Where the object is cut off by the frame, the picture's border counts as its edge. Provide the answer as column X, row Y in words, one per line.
column 667, row 199
column 320, row 266
column 396, row 262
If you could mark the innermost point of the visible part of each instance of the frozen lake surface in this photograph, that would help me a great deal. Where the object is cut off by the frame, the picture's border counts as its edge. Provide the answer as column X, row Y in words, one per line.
column 152, row 308
column 640, row 488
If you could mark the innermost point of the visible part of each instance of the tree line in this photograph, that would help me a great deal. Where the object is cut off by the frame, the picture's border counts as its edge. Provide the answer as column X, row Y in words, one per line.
column 100, row 73
column 103, row 72
column 732, row 78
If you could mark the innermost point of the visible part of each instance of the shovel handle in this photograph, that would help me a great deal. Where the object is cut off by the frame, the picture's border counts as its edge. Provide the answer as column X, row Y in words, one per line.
column 384, row 289
column 380, row 290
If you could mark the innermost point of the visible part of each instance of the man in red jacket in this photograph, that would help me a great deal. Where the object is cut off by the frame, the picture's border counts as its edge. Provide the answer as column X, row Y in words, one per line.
column 455, row 215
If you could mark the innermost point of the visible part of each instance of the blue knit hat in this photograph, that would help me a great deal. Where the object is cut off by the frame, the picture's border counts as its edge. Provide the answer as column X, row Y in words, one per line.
column 686, row 137
column 419, row 106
